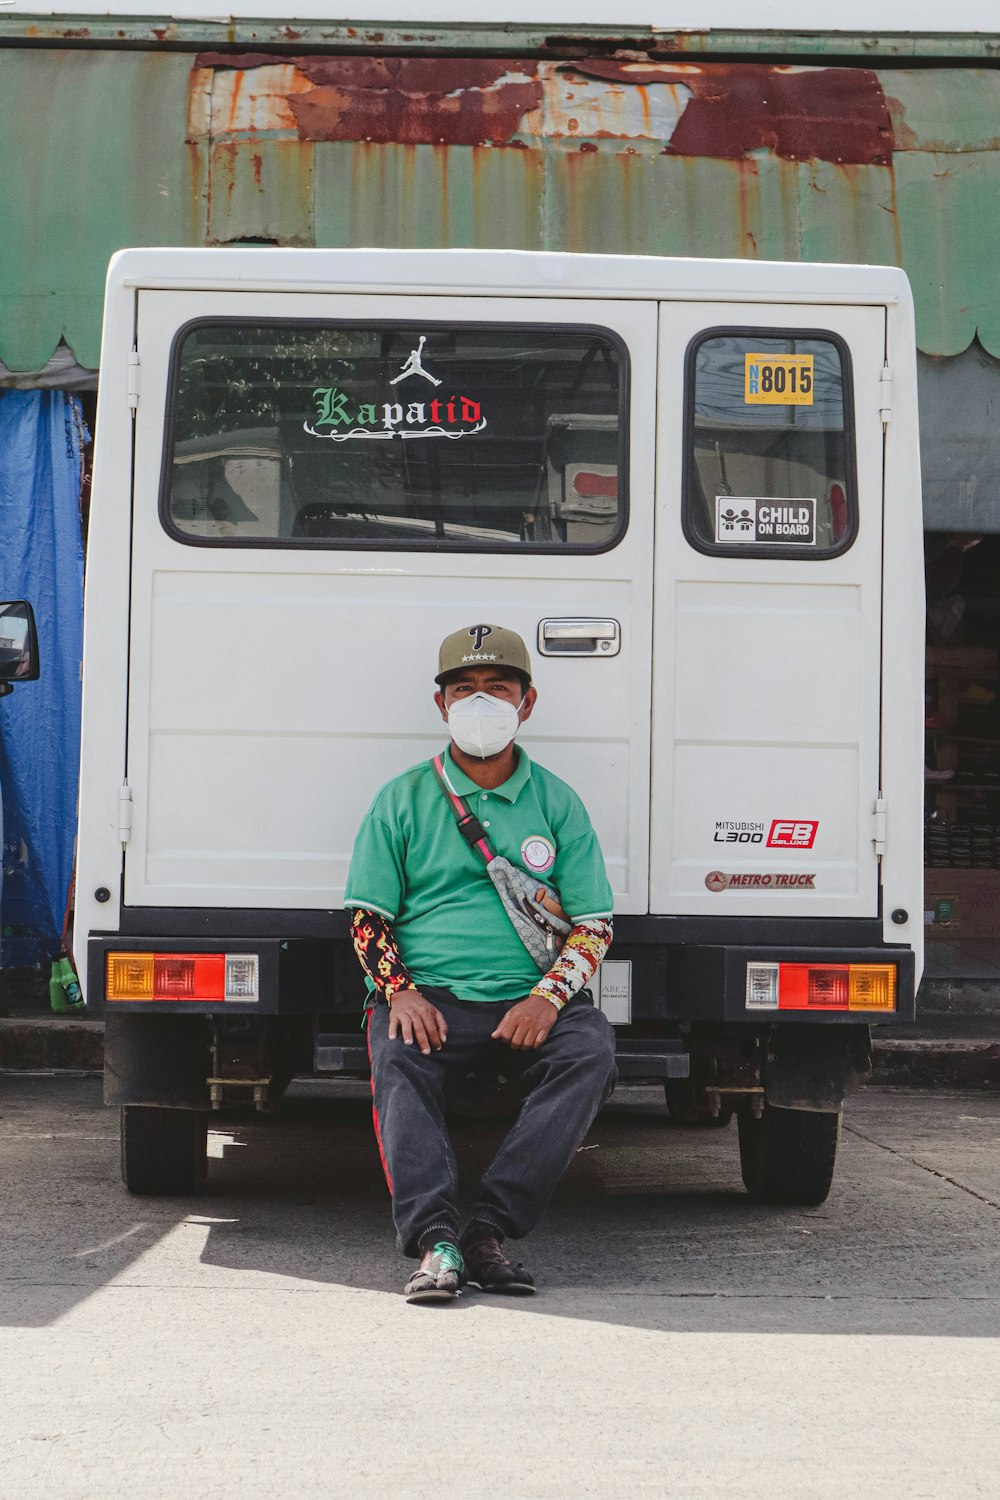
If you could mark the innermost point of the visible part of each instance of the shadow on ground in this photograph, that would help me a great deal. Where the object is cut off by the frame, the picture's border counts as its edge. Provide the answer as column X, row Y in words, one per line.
column 650, row 1228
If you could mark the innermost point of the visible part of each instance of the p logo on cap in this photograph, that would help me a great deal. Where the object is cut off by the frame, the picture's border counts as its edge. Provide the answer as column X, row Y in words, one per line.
column 483, row 646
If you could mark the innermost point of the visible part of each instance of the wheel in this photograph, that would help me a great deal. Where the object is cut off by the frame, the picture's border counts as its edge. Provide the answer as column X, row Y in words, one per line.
column 788, row 1155
column 163, row 1150
column 683, row 1111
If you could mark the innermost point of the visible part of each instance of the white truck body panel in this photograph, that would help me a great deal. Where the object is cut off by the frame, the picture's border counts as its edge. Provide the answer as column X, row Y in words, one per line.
column 249, row 779
column 766, row 699
column 765, row 690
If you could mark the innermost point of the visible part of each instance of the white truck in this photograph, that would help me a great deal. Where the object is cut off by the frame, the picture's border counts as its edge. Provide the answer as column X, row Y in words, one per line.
column 691, row 485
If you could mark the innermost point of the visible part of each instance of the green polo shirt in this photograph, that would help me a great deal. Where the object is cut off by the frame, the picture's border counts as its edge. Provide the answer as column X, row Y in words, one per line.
column 411, row 864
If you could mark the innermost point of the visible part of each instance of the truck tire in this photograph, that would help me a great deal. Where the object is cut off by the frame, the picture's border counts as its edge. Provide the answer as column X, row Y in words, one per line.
column 788, row 1155
column 683, row 1112
column 164, row 1151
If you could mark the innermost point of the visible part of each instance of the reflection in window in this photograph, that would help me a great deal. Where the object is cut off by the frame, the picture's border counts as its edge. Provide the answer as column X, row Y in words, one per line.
column 473, row 438
column 769, row 459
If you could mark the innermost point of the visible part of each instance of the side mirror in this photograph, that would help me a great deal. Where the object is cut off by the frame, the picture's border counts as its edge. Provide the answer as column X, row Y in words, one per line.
column 18, row 644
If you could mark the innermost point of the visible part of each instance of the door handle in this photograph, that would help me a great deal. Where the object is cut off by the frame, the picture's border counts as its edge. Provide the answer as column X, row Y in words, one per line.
column 578, row 637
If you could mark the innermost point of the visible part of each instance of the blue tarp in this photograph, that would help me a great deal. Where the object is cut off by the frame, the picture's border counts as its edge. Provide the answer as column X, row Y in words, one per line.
column 41, row 560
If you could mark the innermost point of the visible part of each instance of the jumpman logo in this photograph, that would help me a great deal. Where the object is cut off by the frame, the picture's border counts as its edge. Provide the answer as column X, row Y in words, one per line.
column 414, row 366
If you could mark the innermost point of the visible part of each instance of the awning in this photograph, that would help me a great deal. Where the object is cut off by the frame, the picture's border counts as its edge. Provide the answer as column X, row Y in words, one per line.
column 106, row 148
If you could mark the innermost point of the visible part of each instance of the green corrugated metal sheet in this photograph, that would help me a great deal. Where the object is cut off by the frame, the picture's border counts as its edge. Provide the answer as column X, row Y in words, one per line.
column 93, row 159
column 380, row 195
column 108, row 148
column 949, row 215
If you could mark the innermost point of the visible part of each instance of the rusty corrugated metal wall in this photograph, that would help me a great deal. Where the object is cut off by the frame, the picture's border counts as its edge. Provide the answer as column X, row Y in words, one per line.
column 105, row 148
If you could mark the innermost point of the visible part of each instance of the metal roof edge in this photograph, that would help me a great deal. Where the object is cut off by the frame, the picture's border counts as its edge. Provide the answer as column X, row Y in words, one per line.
column 168, row 31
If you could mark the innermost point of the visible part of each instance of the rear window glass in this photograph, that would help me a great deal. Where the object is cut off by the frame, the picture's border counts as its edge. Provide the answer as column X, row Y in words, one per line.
column 770, row 447
column 401, row 436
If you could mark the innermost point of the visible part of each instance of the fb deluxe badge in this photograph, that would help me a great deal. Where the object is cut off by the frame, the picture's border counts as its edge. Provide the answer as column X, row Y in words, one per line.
column 538, row 854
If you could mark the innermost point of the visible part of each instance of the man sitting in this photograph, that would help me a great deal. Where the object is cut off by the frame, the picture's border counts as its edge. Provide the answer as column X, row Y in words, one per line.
column 454, row 990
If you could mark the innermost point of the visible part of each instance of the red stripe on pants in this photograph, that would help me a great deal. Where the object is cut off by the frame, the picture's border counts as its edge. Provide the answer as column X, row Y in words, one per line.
column 378, row 1128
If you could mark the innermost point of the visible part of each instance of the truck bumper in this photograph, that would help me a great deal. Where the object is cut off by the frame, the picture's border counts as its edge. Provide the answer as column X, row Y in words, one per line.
column 680, row 969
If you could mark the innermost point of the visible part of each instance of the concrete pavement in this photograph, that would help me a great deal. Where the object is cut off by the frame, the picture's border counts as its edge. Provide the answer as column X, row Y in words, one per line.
column 684, row 1342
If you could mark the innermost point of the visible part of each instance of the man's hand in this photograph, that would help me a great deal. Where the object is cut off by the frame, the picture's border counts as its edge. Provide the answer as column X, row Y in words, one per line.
column 417, row 1020
column 546, row 898
column 527, row 1023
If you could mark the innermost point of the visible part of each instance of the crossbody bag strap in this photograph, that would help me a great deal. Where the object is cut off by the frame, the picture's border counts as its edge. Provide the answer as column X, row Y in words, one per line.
column 469, row 825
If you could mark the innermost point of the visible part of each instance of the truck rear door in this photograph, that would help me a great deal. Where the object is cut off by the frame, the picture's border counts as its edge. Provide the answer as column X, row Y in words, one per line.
column 766, row 686
column 324, row 487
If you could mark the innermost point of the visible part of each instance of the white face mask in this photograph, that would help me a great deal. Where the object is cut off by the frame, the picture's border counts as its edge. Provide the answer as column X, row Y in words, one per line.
column 482, row 725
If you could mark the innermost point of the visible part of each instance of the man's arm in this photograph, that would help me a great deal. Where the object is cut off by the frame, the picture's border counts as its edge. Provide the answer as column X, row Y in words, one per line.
column 375, row 946
column 409, row 1014
column 577, row 963
column 529, row 1023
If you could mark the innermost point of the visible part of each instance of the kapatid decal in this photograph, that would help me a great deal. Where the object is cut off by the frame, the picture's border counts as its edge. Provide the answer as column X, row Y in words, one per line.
column 538, row 853
column 343, row 415
column 717, row 880
column 763, row 519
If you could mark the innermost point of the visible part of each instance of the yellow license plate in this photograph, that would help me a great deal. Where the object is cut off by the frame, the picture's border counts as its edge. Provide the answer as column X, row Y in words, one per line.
column 778, row 380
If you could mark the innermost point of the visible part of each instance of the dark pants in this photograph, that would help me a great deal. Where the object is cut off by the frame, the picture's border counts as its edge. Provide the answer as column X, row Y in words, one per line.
column 564, row 1083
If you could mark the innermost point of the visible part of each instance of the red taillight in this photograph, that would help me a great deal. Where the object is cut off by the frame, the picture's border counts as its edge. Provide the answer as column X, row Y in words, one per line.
column 209, row 977
column 189, row 976
column 586, row 483
column 810, row 987
column 835, row 987
column 838, row 513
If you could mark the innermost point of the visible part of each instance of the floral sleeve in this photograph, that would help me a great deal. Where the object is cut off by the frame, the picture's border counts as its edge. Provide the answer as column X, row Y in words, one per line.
column 378, row 955
column 578, row 959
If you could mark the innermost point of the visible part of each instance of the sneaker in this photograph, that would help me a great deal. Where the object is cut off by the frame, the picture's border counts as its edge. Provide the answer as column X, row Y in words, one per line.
column 439, row 1277
column 489, row 1270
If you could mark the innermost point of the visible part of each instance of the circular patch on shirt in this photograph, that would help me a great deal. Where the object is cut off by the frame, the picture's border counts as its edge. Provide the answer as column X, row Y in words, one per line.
column 538, row 853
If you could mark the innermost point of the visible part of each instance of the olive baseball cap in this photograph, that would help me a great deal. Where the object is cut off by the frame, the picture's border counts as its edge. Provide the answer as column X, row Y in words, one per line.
column 482, row 646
